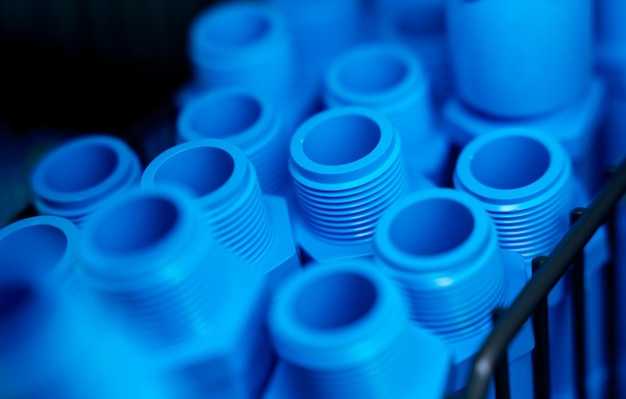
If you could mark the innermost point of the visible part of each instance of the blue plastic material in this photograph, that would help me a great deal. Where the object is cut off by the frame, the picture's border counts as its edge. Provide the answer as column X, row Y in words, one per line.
column 321, row 30
column 224, row 184
column 242, row 44
column 420, row 25
column 390, row 79
column 151, row 257
column 53, row 345
column 520, row 58
column 343, row 331
column 611, row 42
column 523, row 179
column 77, row 177
column 247, row 119
column 41, row 246
column 441, row 249
column 575, row 127
column 347, row 167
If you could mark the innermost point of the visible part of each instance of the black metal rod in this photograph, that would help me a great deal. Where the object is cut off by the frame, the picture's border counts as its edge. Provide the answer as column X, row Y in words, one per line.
column 541, row 353
column 541, row 283
column 612, row 305
column 501, row 377
column 578, row 298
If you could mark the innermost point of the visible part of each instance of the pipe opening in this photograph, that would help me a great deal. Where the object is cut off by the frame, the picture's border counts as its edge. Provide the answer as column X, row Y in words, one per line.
column 510, row 162
column 431, row 227
column 135, row 225
column 237, row 27
column 80, row 167
column 341, row 140
column 373, row 73
column 222, row 116
column 335, row 301
column 35, row 249
column 200, row 169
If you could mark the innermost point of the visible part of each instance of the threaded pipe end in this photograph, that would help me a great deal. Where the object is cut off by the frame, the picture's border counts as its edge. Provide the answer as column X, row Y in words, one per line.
column 148, row 253
column 77, row 177
column 347, row 168
column 226, row 188
column 524, row 180
column 246, row 119
column 327, row 316
column 441, row 248
column 388, row 78
column 242, row 44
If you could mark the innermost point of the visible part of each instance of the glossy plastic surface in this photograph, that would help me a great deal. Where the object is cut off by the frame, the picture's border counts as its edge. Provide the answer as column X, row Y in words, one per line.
column 248, row 119
column 520, row 58
column 224, row 185
column 453, row 278
column 347, row 167
column 326, row 328
column 79, row 176
column 150, row 257
column 390, row 79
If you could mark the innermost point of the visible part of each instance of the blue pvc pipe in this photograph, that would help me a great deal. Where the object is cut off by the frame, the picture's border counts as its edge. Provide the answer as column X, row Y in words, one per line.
column 524, row 180
column 390, row 79
column 520, row 58
column 225, row 187
column 77, row 177
column 246, row 118
column 347, row 167
column 326, row 327
column 242, row 44
column 41, row 245
column 321, row 31
column 441, row 249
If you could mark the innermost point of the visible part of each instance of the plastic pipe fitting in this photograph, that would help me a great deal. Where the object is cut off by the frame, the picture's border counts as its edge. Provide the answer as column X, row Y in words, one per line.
column 41, row 246
column 321, row 31
column 524, row 180
column 79, row 176
column 242, row 44
column 150, row 256
column 611, row 42
column 342, row 330
column 575, row 127
column 224, row 184
column 52, row 344
column 520, row 58
column 390, row 79
column 248, row 119
column 421, row 27
column 441, row 248
column 347, row 167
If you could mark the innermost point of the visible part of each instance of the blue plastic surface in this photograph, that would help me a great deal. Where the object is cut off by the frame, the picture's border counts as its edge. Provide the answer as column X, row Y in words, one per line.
column 390, row 79
column 79, row 176
column 575, row 127
column 420, row 25
column 224, row 184
column 327, row 329
column 53, row 345
column 248, row 119
column 41, row 246
column 149, row 255
column 242, row 44
column 347, row 167
column 321, row 30
column 520, row 58
column 454, row 279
